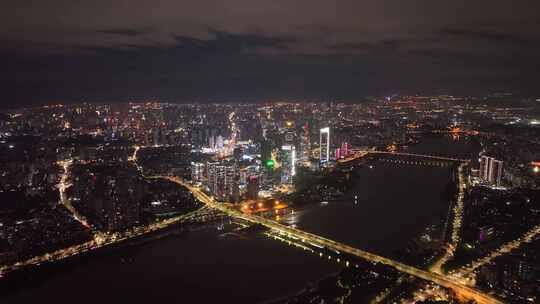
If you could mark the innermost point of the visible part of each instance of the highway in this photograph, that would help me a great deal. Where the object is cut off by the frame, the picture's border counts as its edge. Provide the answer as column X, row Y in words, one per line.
column 62, row 187
column 448, row 282
column 456, row 224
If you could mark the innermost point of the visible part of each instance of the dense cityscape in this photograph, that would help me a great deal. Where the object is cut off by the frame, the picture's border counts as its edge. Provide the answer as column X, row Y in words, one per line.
column 271, row 152
column 82, row 181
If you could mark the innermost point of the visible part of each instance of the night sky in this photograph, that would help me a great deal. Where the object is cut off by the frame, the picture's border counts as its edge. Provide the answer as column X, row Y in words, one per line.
column 248, row 50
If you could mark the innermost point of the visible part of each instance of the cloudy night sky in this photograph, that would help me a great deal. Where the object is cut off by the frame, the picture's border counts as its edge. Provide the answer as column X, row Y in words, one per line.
column 248, row 50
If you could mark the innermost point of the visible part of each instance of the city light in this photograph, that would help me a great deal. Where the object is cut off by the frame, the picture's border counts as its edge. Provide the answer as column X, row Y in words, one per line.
column 536, row 166
column 293, row 169
column 324, row 144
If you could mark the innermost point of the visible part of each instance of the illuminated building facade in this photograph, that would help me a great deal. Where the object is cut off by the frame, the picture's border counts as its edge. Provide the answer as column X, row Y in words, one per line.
column 305, row 146
column 197, row 172
column 223, row 181
column 491, row 170
column 253, row 187
column 324, row 144
column 212, row 176
column 345, row 149
column 288, row 163
column 338, row 153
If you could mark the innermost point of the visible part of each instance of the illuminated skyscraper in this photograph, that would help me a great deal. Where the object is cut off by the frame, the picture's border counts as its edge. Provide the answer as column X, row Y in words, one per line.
column 230, row 184
column 219, row 142
column 288, row 163
column 197, row 170
column 345, row 149
column 293, row 169
column 222, row 180
column 491, row 170
column 289, row 137
column 155, row 133
column 305, row 146
column 324, row 145
column 212, row 176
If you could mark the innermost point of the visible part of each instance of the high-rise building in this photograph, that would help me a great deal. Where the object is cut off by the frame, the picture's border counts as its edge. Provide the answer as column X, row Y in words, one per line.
column 288, row 163
column 484, row 167
column 222, row 181
column 491, row 170
column 247, row 172
column 211, row 142
column 238, row 152
column 197, row 172
column 231, row 179
column 212, row 176
column 253, row 187
column 305, row 146
column 496, row 172
column 219, row 142
column 324, row 144
column 156, row 136
column 345, row 149
column 266, row 150
column 289, row 137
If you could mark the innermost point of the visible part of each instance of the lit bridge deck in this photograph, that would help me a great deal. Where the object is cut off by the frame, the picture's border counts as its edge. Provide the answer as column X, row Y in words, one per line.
column 436, row 157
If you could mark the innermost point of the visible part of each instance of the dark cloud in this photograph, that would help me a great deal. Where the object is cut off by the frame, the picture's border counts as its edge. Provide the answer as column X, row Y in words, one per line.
column 252, row 40
column 245, row 49
column 121, row 32
column 380, row 48
column 496, row 37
